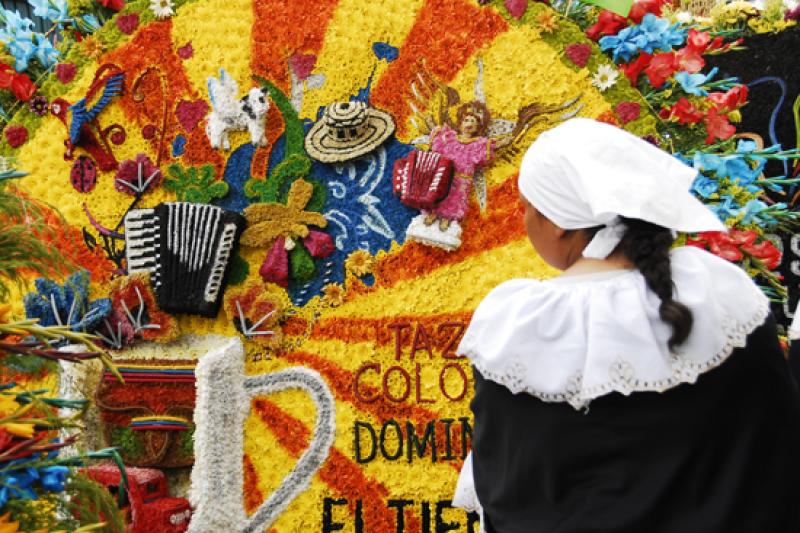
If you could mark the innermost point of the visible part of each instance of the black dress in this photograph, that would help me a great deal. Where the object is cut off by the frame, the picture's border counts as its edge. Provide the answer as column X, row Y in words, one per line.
column 721, row 455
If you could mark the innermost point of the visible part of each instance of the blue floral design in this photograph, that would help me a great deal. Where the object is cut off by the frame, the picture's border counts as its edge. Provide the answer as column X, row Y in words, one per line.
column 625, row 44
column 18, row 481
column 22, row 50
column 66, row 305
column 704, row 186
column 725, row 210
column 46, row 54
column 362, row 212
column 693, row 83
column 53, row 478
column 52, row 10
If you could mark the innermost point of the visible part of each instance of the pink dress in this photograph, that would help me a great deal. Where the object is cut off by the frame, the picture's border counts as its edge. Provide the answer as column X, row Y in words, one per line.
column 466, row 160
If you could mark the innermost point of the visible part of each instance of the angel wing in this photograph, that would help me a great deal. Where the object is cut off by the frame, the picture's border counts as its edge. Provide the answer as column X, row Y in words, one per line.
column 431, row 101
column 223, row 90
column 527, row 117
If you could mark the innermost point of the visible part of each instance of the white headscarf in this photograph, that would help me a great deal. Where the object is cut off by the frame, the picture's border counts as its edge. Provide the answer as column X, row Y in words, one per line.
column 585, row 173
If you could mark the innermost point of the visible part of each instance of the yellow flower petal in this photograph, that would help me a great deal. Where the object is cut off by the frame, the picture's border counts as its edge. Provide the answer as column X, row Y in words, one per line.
column 23, row 430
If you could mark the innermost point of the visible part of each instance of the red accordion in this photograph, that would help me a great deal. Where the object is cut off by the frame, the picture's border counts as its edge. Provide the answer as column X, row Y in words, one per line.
column 422, row 179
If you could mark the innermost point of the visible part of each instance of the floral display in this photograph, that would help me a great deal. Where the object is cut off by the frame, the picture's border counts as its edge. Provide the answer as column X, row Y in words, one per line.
column 328, row 383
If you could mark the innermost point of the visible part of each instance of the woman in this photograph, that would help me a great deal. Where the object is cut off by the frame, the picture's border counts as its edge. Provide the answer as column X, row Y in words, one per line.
column 643, row 390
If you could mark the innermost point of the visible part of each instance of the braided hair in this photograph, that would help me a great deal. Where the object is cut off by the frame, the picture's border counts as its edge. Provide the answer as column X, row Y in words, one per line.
column 647, row 246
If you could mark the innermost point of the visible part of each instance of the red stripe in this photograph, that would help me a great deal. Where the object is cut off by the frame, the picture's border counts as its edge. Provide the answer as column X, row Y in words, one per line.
column 282, row 28
column 446, row 34
column 340, row 473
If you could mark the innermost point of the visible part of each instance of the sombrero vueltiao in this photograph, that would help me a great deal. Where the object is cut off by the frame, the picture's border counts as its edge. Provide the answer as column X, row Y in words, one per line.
column 346, row 131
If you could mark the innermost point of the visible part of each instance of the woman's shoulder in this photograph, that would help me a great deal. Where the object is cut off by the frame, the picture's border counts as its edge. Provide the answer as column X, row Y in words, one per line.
column 577, row 338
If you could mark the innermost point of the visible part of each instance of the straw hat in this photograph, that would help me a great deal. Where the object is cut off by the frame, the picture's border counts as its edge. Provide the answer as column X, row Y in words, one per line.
column 346, row 131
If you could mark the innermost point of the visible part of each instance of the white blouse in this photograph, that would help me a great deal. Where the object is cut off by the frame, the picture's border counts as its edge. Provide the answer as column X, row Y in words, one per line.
column 575, row 338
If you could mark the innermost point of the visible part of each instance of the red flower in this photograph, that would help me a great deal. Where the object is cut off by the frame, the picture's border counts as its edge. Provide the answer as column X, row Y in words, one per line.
column 578, row 54
column 20, row 84
column 640, row 8
column 16, row 135
column 65, row 72
column 137, row 176
column 633, row 69
column 690, row 60
column 128, row 23
column 718, row 126
column 721, row 245
column 726, row 102
column 742, row 237
column 113, row 5
column 766, row 252
column 698, row 40
column 684, row 111
column 661, row 67
column 627, row 111
column 608, row 23
column 22, row 87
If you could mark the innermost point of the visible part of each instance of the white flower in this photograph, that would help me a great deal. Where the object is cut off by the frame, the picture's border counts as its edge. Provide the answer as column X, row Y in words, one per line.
column 162, row 8
column 605, row 77
column 684, row 17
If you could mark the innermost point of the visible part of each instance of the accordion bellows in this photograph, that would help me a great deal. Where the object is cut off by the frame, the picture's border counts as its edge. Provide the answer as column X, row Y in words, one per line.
column 187, row 250
column 422, row 179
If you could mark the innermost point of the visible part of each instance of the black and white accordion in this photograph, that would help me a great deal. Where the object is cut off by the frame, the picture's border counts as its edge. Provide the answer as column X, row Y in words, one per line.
column 186, row 248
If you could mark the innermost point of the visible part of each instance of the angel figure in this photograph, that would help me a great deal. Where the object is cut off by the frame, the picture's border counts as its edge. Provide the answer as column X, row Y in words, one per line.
column 471, row 143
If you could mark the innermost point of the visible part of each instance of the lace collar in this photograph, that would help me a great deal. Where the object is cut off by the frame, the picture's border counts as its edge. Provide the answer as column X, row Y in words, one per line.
column 578, row 338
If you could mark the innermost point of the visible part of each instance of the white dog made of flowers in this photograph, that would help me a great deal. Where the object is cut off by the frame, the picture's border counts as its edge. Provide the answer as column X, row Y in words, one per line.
column 229, row 113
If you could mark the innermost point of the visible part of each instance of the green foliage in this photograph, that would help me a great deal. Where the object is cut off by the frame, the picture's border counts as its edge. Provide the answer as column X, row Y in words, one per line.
column 25, row 364
column 128, row 443
column 301, row 264
column 239, row 270
column 773, row 10
column 93, row 503
column 189, row 185
column 21, row 249
column 186, row 442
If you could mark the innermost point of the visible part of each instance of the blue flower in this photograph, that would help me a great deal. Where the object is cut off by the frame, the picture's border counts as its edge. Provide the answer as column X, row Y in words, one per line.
column 53, row 478
column 745, row 146
column 41, row 8
column 693, row 83
column 22, row 50
column 624, row 44
column 752, row 213
column 18, row 483
column 652, row 28
column 673, row 36
column 46, row 54
column 16, row 26
column 704, row 186
column 725, row 210
column 69, row 305
column 706, row 162
column 739, row 170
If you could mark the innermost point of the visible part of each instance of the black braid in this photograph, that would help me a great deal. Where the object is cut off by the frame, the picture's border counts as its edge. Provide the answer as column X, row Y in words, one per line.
column 647, row 246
